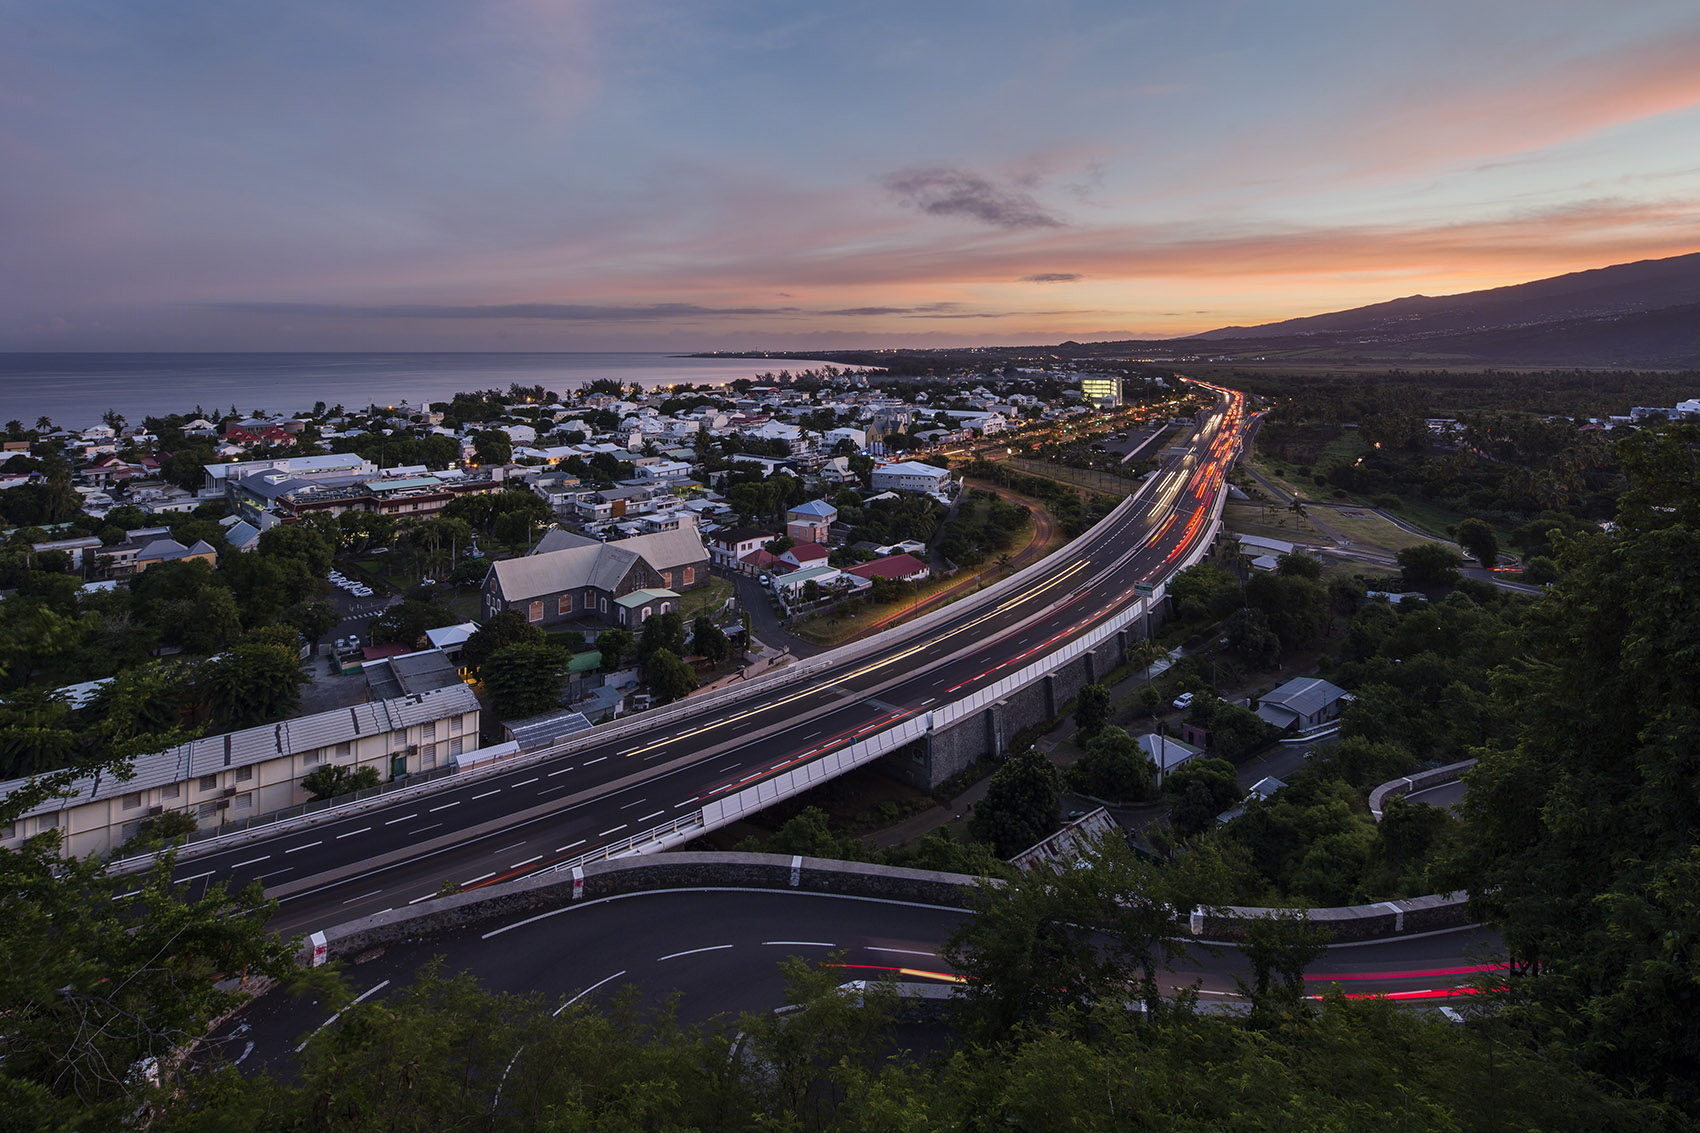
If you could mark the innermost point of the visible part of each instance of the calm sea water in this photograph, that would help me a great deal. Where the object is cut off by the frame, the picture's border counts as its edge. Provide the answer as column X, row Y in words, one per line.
column 75, row 389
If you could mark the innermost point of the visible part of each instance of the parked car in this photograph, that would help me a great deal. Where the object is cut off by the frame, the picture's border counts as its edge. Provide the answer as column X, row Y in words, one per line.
column 1184, row 700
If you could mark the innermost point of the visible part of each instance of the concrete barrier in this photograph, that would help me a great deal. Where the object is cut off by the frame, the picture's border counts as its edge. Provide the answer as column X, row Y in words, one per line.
column 545, row 893
column 1421, row 781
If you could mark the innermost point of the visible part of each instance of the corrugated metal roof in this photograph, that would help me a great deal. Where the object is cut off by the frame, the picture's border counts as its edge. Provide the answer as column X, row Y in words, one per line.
column 212, row 754
column 1305, row 695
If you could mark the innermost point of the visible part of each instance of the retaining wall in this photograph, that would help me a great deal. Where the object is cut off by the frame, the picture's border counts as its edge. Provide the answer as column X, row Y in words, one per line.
column 1421, row 781
column 544, row 893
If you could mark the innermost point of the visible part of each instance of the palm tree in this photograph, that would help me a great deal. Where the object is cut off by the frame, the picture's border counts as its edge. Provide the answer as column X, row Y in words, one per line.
column 1005, row 561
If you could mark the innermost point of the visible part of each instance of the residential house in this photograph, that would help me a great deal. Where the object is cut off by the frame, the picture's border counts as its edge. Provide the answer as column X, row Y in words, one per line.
column 804, row 555
column 726, row 548
column 904, row 568
column 1303, row 704
column 810, row 522
column 677, row 556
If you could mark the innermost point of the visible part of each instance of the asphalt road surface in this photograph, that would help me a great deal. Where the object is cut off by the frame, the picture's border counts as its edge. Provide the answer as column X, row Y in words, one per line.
column 719, row 951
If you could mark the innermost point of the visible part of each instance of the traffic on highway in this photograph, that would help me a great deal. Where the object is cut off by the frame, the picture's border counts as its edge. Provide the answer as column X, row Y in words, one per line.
column 503, row 823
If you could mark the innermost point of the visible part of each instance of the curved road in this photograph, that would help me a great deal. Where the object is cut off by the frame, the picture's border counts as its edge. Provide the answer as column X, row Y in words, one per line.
column 719, row 950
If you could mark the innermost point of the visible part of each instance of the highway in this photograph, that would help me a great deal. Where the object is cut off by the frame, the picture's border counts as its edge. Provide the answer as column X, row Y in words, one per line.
column 719, row 951
column 503, row 824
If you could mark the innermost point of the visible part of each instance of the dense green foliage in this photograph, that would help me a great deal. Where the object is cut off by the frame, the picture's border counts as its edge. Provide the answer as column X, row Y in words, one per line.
column 1020, row 806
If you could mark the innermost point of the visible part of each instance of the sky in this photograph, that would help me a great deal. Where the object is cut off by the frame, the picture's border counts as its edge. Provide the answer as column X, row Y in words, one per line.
column 637, row 175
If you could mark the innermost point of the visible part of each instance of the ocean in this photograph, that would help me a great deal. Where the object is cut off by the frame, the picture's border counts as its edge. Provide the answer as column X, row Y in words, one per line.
column 74, row 390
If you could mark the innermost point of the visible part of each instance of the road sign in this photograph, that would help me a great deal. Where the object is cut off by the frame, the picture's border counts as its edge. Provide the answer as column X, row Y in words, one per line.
column 1144, row 588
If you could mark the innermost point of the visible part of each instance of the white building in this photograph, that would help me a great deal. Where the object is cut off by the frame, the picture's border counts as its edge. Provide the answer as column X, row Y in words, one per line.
column 255, row 771
column 910, row 476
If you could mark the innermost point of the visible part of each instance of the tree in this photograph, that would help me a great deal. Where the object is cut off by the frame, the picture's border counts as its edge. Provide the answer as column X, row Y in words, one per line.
column 709, row 640
column 509, row 627
column 1198, row 791
column 1581, row 827
column 250, row 684
column 1249, row 636
column 1429, row 565
column 613, row 644
column 669, row 678
column 492, row 446
column 1478, row 541
column 524, row 679
column 1115, row 768
column 1092, row 709
column 1048, row 942
column 311, row 619
column 333, row 780
column 1279, row 947
column 1020, row 806
column 105, row 971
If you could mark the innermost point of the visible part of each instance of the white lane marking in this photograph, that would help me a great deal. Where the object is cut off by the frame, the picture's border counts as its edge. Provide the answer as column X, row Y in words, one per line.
column 560, row 849
column 693, row 952
column 131, row 893
column 505, row 849
column 352, row 833
column 634, row 802
column 427, row 897
column 422, row 829
column 552, row 774
column 487, row 794
column 903, row 951
column 525, row 782
column 362, row 896
column 480, row 877
column 307, row 846
column 252, row 861
column 445, row 806
column 605, row 833
column 403, row 818
column 357, row 999
column 647, row 817
column 527, row 861
column 551, row 790
column 799, row 944
column 598, row 759
column 813, row 734
column 198, row 876
column 585, row 992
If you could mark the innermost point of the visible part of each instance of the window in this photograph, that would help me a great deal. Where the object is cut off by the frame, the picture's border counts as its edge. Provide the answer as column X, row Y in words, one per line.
column 428, row 759
column 536, row 613
column 667, row 579
column 456, row 723
column 47, row 822
column 169, row 791
column 209, row 782
column 129, row 830
column 207, row 810
column 690, row 575
column 455, row 746
column 132, row 800
column 8, row 831
column 590, row 599
column 604, row 605
column 564, row 604
column 245, row 802
column 244, row 774
column 310, row 759
column 431, row 729
column 343, row 751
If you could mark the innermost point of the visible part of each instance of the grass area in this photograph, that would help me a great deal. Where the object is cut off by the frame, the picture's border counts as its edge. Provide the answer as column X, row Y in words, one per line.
column 1103, row 483
column 1367, row 529
column 708, row 600
column 1254, row 519
column 845, row 621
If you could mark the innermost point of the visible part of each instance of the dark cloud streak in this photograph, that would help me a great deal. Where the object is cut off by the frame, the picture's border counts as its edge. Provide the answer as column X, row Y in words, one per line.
column 953, row 192
column 564, row 312
column 1051, row 277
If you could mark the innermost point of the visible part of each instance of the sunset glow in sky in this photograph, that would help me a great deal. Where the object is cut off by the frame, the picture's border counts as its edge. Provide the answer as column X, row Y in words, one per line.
column 637, row 175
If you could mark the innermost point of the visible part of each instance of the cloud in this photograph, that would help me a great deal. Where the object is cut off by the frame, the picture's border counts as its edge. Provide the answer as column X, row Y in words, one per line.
column 1050, row 277
column 924, row 309
column 564, row 312
column 953, row 192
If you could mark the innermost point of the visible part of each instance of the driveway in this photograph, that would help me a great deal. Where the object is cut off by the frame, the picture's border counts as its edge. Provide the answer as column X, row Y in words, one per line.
column 764, row 621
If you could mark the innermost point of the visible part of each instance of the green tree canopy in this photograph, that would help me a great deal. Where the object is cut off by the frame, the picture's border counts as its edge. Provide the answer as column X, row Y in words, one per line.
column 524, row 679
column 1020, row 806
